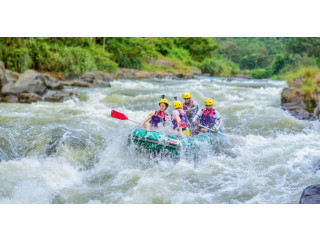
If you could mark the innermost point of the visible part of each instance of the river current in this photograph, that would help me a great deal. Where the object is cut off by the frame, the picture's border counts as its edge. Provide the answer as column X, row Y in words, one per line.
column 75, row 152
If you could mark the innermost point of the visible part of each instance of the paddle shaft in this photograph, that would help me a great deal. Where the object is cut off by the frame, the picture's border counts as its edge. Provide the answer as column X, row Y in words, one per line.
column 211, row 129
column 133, row 121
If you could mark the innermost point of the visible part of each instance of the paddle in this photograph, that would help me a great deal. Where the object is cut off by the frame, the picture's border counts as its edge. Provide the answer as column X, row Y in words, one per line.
column 121, row 116
column 211, row 130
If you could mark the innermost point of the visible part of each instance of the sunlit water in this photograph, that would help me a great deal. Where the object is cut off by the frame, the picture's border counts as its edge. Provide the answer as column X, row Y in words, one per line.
column 268, row 156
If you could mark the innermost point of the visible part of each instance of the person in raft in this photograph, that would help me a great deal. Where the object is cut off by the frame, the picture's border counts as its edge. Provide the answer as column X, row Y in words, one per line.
column 208, row 117
column 158, row 117
column 179, row 119
column 189, row 106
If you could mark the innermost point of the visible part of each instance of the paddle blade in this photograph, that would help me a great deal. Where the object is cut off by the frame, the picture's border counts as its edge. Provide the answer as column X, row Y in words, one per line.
column 118, row 115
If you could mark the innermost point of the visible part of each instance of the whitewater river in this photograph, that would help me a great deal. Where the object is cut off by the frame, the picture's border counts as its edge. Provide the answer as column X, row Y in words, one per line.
column 74, row 152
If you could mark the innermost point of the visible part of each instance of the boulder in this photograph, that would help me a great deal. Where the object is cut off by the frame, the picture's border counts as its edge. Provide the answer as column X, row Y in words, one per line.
column 29, row 97
column 184, row 76
column 316, row 112
column 80, row 83
column 29, row 82
column 102, row 84
column 103, row 76
column 59, row 96
column 310, row 195
column 64, row 136
column 88, row 79
column 164, row 75
column 10, row 99
column 125, row 73
column 12, row 76
column 72, row 76
column 56, row 75
column 143, row 75
column 295, row 102
column 3, row 79
column 52, row 83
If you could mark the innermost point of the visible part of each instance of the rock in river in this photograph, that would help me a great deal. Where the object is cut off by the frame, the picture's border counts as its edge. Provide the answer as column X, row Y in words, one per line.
column 310, row 195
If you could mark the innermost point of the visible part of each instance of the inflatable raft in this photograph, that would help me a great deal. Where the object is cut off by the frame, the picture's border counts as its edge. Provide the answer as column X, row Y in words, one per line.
column 157, row 141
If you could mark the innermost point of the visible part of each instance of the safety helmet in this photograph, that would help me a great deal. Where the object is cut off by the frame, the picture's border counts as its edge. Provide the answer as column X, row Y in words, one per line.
column 186, row 95
column 177, row 104
column 208, row 101
column 163, row 100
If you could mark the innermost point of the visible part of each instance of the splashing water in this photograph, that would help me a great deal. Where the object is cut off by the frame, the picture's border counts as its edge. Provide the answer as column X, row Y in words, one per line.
column 74, row 152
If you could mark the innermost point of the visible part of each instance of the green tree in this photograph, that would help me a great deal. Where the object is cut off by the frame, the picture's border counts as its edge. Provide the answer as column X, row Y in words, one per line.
column 199, row 47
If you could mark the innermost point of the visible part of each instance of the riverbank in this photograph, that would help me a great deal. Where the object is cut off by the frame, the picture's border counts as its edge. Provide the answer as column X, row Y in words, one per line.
column 302, row 96
column 31, row 86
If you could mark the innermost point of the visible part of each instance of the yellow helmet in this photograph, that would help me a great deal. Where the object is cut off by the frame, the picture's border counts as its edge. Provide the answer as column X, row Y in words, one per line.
column 164, row 101
column 186, row 95
column 208, row 101
column 177, row 104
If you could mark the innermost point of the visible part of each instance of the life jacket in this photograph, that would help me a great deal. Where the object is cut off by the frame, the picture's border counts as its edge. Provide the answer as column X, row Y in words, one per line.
column 207, row 118
column 157, row 118
column 185, row 107
column 182, row 116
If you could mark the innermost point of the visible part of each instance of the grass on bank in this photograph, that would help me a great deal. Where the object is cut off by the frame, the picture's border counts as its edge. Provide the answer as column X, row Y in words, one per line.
column 309, row 88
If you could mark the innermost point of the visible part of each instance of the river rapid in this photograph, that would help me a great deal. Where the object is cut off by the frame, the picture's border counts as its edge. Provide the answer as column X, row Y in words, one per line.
column 74, row 152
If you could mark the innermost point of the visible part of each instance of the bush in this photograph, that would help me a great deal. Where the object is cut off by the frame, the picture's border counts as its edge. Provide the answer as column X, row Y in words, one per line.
column 218, row 66
column 211, row 66
column 258, row 73
column 182, row 55
column 131, row 52
column 277, row 64
column 55, row 54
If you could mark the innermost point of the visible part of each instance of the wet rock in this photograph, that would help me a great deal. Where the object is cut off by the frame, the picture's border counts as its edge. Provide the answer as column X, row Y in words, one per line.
column 160, row 75
column 102, row 84
column 80, row 83
column 184, row 76
column 28, row 82
column 55, row 75
column 12, row 76
column 3, row 79
column 72, row 76
column 310, row 195
column 59, row 96
column 301, row 114
column 124, row 73
column 10, row 99
column 29, row 97
column 32, row 86
column 64, row 136
column 294, row 102
column 88, row 79
column 97, row 78
column 52, row 83
column 316, row 112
